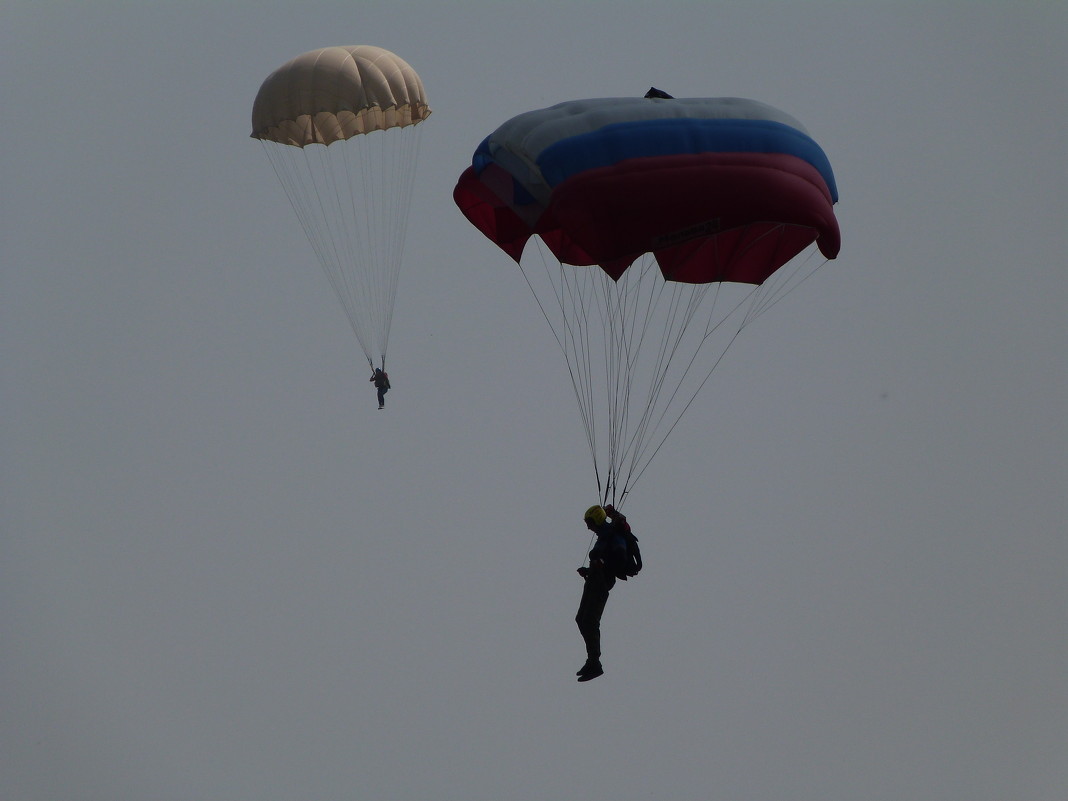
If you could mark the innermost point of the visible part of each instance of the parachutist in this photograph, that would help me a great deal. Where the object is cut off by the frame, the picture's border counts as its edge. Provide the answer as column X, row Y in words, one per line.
column 609, row 559
column 381, row 379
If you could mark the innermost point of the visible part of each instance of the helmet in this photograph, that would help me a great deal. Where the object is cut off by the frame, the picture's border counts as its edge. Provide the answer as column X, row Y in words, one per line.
column 596, row 515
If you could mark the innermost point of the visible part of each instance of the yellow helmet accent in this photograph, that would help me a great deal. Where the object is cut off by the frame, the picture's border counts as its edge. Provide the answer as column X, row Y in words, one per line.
column 596, row 514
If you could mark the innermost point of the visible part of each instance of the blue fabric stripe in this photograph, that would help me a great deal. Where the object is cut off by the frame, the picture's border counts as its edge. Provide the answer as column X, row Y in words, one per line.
column 669, row 137
column 482, row 155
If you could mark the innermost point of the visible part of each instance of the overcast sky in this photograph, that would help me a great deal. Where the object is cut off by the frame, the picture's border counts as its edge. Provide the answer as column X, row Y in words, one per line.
column 224, row 574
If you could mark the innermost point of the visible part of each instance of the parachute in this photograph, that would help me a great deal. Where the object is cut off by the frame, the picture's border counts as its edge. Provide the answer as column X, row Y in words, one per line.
column 689, row 207
column 340, row 126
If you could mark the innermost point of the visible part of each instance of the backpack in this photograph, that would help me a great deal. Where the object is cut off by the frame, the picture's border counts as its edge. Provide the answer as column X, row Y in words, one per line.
column 626, row 556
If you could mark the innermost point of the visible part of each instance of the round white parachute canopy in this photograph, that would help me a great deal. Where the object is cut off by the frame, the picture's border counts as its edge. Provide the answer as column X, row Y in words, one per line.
column 335, row 93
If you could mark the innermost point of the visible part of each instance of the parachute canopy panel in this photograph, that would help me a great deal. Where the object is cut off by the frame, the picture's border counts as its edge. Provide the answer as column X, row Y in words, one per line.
column 718, row 189
column 335, row 93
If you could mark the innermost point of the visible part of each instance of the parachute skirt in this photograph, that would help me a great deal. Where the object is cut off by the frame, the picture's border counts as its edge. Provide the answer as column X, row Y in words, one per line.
column 706, row 217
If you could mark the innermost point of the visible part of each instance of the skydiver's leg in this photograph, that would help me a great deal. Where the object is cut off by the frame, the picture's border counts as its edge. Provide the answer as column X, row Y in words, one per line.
column 591, row 607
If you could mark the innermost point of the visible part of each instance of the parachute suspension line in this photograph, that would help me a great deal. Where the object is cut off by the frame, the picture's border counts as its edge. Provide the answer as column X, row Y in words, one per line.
column 635, row 357
column 390, row 167
column 306, row 184
column 648, row 278
column 576, row 285
column 607, row 303
column 633, row 325
column 680, row 316
column 380, row 172
column 784, row 281
column 363, row 285
column 351, row 198
column 333, row 205
column 405, row 165
column 714, row 322
column 682, row 305
column 620, row 318
column 790, row 283
column 619, row 377
column 679, row 416
column 759, row 299
column 562, row 330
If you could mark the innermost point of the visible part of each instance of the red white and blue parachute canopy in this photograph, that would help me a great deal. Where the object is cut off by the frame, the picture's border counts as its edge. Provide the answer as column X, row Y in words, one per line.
column 718, row 189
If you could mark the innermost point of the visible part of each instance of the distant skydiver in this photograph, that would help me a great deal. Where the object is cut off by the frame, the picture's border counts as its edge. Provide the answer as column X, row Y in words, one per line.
column 381, row 379
column 614, row 554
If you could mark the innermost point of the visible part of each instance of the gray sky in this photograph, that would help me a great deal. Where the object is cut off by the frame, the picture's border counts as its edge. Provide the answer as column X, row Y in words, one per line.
column 227, row 575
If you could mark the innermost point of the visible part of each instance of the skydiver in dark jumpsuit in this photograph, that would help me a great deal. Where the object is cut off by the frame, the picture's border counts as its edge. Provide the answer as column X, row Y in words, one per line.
column 381, row 379
column 599, row 580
